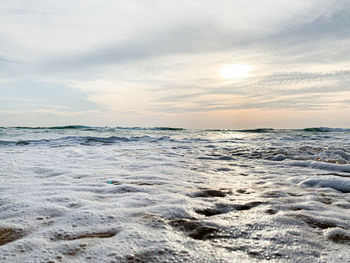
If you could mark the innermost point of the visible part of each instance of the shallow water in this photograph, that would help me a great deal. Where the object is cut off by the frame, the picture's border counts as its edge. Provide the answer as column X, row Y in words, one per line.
column 85, row 194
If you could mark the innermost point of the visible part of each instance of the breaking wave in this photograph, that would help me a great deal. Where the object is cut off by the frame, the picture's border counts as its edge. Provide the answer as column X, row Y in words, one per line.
column 85, row 140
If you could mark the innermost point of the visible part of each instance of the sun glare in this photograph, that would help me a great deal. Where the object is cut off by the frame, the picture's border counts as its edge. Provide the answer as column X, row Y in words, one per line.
column 235, row 71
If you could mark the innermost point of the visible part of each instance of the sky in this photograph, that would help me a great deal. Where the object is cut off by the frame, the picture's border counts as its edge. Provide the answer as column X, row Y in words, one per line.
column 192, row 64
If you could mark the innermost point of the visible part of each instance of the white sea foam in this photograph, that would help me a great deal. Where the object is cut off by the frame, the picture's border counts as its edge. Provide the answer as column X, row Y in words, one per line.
column 325, row 166
column 342, row 185
column 84, row 194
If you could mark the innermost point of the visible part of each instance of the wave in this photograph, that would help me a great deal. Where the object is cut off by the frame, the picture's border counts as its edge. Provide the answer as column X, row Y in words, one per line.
column 85, row 140
column 258, row 130
column 339, row 184
column 345, row 168
column 325, row 129
column 22, row 142
column 68, row 127
column 107, row 128
column 167, row 129
column 92, row 128
column 312, row 129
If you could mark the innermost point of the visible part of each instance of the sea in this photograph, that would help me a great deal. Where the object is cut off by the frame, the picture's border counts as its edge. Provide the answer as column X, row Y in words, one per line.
column 116, row 194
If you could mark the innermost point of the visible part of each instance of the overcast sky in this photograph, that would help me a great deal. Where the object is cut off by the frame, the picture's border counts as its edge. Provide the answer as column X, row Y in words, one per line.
column 158, row 63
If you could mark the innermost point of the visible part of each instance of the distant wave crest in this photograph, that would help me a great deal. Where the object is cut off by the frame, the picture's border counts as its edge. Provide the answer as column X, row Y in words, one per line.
column 91, row 128
column 258, row 130
column 324, row 129
column 111, row 129
column 68, row 127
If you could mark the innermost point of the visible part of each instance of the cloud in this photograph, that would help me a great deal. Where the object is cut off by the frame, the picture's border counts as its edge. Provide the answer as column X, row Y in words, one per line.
column 132, row 60
column 201, row 27
column 82, row 34
column 286, row 90
column 31, row 95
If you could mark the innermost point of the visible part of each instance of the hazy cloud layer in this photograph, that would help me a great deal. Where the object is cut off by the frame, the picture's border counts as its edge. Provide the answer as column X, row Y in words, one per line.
column 157, row 62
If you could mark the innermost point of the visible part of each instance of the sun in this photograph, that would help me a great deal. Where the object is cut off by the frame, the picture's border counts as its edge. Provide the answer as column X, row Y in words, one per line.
column 235, row 71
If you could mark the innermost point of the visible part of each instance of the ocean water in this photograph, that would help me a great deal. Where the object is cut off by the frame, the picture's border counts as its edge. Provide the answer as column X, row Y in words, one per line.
column 101, row 194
